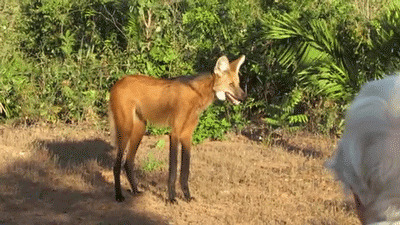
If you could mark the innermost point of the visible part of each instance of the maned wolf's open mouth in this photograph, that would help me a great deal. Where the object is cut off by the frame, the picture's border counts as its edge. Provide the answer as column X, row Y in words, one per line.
column 232, row 99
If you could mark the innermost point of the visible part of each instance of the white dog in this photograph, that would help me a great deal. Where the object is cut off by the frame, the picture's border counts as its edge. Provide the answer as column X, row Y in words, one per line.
column 367, row 160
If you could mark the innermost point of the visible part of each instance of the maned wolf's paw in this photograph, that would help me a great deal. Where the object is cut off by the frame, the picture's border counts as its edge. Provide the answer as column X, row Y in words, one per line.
column 119, row 198
column 172, row 201
column 190, row 199
column 135, row 192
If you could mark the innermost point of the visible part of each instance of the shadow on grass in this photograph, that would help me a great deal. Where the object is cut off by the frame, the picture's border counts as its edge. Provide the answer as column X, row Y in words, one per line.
column 72, row 153
column 34, row 192
column 275, row 138
column 307, row 152
column 38, row 203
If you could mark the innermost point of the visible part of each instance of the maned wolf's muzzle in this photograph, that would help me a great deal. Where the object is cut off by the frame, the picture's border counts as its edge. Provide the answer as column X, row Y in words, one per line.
column 242, row 95
column 238, row 96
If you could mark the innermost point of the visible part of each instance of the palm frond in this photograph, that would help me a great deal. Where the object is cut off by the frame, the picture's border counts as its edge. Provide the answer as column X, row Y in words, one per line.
column 306, row 43
column 314, row 52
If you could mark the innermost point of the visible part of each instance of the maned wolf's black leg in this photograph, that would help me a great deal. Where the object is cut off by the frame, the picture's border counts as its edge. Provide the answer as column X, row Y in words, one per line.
column 122, row 141
column 173, row 158
column 185, row 168
column 117, row 179
column 138, row 131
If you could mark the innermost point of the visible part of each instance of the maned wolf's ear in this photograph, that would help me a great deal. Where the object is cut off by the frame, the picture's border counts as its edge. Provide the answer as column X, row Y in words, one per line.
column 235, row 65
column 222, row 65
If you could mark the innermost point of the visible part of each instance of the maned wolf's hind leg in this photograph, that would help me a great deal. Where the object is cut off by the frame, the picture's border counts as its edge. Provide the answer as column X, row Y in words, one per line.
column 122, row 140
column 138, row 131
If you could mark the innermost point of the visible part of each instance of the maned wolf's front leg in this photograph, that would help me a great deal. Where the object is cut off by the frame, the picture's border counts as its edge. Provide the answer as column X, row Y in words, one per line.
column 186, row 140
column 173, row 161
column 185, row 167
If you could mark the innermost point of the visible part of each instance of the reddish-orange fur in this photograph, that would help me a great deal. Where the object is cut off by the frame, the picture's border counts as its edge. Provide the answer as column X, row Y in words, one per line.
column 177, row 103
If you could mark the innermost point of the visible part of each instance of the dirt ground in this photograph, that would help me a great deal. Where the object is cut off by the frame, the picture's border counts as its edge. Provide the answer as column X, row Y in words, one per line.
column 63, row 175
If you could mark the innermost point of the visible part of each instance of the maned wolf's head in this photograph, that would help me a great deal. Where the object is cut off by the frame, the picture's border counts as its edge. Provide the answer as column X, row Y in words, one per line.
column 227, row 80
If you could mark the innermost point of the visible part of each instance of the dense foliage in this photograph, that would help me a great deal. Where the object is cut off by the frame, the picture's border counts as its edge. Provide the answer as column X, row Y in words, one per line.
column 305, row 59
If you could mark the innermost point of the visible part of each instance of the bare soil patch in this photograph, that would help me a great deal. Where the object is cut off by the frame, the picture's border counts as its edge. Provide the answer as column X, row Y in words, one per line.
column 63, row 175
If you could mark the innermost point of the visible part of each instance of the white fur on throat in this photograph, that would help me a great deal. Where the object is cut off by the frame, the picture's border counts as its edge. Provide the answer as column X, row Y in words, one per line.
column 220, row 95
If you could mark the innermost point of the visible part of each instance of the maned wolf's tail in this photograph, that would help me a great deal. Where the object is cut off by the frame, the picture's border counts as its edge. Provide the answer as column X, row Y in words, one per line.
column 113, row 133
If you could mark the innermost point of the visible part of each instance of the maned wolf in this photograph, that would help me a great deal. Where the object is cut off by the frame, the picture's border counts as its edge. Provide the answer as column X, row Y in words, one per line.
column 177, row 103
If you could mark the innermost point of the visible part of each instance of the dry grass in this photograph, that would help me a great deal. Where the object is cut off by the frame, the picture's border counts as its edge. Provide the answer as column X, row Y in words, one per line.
column 63, row 175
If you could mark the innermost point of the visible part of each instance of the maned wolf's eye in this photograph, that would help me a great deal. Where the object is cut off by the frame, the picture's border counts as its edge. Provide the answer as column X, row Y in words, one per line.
column 232, row 85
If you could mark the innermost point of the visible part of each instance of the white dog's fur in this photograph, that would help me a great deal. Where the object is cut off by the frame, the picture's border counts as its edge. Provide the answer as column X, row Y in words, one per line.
column 367, row 160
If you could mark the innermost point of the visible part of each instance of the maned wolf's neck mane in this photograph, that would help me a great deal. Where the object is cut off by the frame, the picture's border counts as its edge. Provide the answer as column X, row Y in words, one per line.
column 202, row 84
column 190, row 78
column 204, row 80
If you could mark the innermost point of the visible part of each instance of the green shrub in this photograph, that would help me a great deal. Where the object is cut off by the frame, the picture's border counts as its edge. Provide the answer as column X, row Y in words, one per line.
column 151, row 163
column 59, row 58
column 212, row 125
